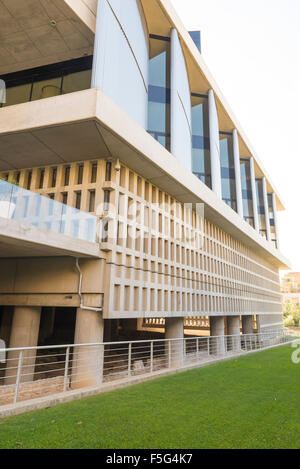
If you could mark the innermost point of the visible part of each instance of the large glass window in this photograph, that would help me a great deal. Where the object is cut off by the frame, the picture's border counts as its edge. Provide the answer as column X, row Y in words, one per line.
column 48, row 81
column 261, row 207
column 46, row 89
column 227, row 170
column 201, row 142
column 17, row 95
column 272, row 220
column 159, row 90
column 76, row 81
column 247, row 191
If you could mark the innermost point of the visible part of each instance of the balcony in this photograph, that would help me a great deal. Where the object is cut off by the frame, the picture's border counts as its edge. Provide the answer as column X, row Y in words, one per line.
column 34, row 225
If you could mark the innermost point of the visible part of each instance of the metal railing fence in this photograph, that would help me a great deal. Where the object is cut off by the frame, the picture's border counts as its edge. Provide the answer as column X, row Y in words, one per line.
column 34, row 372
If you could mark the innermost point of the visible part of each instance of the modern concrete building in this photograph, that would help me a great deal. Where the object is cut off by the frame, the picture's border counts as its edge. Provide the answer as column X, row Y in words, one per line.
column 112, row 134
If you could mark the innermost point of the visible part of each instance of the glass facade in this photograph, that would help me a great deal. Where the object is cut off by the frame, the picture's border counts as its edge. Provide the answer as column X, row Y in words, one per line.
column 159, row 90
column 196, row 36
column 200, row 141
column 272, row 220
column 43, row 212
column 48, row 81
column 261, row 207
column 227, row 170
column 247, row 191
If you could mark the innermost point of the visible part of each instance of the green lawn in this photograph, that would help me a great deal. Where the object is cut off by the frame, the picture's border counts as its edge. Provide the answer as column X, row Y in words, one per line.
column 250, row 402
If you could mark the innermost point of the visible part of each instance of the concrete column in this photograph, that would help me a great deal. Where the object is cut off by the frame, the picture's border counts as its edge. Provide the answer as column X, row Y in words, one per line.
column 121, row 56
column 234, row 330
column 247, row 324
column 266, row 205
column 237, row 168
column 174, row 329
column 87, row 366
column 275, row 219
column 217, row 332
column 216, row 181
column 254, row 197
column 24, row 333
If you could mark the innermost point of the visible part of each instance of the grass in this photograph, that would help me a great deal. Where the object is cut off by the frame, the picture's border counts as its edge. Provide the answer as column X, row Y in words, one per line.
column 249, row 402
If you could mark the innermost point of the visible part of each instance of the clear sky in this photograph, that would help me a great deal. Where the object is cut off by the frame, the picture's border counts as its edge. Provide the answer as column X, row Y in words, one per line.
column 252, row 48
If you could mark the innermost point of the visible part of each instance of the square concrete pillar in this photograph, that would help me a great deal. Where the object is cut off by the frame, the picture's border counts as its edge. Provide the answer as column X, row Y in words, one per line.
column 174, row 329
column 87, row 361
column 234, row 331
column 217, row 344
column 24, row 333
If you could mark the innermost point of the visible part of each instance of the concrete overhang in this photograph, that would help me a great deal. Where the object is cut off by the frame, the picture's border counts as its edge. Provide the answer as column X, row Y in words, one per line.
column 38, row 32
column 19, row 240
column 88, row 125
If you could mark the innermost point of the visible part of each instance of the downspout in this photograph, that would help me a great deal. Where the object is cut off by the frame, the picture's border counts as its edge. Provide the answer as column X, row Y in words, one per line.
column 87, row 308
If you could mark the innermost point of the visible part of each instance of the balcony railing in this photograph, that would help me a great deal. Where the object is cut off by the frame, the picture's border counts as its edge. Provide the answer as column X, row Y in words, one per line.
column 33, row 209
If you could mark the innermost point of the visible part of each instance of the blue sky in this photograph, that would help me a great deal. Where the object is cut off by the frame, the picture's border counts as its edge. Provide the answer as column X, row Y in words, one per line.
column 252, row 48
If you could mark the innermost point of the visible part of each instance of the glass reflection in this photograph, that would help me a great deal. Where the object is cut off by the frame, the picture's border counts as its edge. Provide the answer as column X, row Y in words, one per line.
column 247, row 191
column 48, row 81
column 159, row 91
column 33, row 209
column 272, row 220
column 227, row 170
column 200, row 141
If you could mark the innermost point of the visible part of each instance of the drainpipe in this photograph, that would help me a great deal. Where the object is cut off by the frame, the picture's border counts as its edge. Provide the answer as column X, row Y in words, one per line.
column 87, row 308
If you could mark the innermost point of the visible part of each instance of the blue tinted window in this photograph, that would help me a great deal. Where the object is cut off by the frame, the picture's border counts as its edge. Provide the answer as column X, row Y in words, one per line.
column 159, row 91
column 261, row 207
column 247, row 191
column 196, row 36
column 200, row 140
column 227, row 170
column 272, row 219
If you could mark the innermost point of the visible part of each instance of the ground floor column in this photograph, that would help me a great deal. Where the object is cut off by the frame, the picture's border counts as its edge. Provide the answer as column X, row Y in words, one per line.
column 234, row 331
column 174, row 329
column 24, row 333
column 87, row 361
column 247, row 324
column 217, row 331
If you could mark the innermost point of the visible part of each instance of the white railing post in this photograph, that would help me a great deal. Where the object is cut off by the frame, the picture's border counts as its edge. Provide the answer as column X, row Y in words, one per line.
column 208, row 351
column 20, row 362
column 151, row 357
column 184, row 350
column 170, row 348
column 66, row 368
column 197, row 345
column 129, row 359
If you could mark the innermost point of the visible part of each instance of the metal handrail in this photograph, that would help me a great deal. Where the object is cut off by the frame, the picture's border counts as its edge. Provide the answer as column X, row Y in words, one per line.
column 49, row 347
